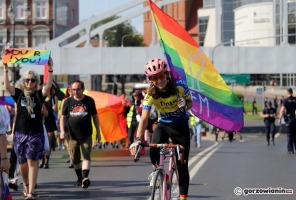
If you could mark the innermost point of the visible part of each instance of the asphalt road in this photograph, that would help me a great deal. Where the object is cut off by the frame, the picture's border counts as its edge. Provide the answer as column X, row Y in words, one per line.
column 216, row 170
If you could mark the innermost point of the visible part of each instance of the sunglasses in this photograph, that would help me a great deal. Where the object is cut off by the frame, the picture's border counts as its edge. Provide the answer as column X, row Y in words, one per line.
column 27, row 80
column 158, row 77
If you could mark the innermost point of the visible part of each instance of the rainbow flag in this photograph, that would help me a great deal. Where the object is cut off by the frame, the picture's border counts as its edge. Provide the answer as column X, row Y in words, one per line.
column 213, row 101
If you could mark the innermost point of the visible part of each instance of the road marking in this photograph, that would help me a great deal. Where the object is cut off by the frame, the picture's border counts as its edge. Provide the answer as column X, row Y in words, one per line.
column 197, row 167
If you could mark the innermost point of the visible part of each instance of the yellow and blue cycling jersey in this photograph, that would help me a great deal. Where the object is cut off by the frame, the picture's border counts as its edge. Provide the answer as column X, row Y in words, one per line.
column 167, row 104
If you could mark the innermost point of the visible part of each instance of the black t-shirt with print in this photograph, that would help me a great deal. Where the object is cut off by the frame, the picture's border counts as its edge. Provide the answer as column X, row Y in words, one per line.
column 26, row 122
column 80, row 116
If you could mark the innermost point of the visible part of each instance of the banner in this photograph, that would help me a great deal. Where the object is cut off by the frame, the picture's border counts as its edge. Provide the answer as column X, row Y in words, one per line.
column 212, row 100
column 25, row 56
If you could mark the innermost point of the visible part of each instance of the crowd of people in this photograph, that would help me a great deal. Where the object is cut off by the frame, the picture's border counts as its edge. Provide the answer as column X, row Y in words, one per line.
column 38, row 124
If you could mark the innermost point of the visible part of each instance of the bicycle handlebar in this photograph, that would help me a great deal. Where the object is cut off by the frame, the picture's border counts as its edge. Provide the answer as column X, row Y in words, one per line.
column 174, row 146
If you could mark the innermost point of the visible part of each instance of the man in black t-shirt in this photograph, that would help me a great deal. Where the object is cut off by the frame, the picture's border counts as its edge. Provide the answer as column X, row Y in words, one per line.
column 269, row 114
column 80, row 110
column 289, row 104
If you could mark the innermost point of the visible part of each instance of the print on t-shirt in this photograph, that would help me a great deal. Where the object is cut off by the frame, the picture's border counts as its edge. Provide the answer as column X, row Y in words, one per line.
column 78, row 111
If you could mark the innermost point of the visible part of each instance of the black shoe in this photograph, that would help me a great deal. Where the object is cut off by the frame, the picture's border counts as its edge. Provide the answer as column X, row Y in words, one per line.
column 290, row 152
column 85, row 183
column 41, row 165
column 273, row 143
column 68, row 161
column 268, row 144
column 13, row 186
column 78, row 183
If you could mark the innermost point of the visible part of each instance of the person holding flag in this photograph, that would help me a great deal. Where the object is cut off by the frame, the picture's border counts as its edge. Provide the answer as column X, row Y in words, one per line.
column 171, row 99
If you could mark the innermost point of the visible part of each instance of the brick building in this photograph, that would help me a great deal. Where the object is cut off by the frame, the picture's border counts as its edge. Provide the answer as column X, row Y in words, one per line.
column 185, row 13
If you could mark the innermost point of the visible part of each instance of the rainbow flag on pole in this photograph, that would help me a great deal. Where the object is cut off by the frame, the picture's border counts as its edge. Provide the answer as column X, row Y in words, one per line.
column 213, row 101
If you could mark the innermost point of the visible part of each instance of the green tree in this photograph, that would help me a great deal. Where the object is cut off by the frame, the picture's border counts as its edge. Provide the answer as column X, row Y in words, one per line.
column 122, row 32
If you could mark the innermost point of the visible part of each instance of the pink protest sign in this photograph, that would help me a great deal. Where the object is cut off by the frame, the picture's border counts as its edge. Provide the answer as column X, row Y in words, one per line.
column 25, row 56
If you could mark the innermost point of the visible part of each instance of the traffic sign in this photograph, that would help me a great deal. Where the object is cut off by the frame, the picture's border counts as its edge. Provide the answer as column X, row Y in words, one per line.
column 259, row 90
column 236, row 78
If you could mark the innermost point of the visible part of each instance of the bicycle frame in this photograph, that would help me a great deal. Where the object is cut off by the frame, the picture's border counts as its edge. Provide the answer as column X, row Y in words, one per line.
column 166, row 192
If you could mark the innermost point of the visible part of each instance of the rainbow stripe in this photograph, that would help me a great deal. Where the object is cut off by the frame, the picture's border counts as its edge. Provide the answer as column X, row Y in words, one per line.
column 25, row 56
column 213, row 101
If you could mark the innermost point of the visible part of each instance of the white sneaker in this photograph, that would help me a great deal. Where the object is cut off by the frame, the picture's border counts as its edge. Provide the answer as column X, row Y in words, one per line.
column 151, row 179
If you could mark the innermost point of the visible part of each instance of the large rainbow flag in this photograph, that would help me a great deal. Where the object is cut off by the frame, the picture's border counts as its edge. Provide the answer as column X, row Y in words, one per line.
column 110, row 112
column 213, row 101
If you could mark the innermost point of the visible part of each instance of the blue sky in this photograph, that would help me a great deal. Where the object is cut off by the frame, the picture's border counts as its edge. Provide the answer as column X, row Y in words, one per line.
column 89, row 8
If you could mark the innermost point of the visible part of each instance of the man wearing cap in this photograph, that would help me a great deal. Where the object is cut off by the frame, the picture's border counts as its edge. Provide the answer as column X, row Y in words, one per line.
column 289, row 105
column 269, row 114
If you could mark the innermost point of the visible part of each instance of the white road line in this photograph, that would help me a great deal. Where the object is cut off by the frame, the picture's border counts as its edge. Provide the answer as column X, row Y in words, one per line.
column 197, row 167
column 197, row 156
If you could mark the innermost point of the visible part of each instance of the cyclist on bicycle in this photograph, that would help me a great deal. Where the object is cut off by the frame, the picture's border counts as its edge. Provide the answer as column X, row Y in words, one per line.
column 171, row 99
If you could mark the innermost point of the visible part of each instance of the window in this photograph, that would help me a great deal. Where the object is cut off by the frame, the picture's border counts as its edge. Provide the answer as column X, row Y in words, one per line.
column 19, row 11
column 203, row 25
column 40, row 35
column 40, row 10
column 20, row 41
column 40, row 40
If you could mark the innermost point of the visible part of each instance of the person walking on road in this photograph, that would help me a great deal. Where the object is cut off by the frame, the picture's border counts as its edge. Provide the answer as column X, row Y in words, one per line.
column 51, row 104
column 171, row 100
column 80, row 110
column 28, row 137
column 4, row 123
column 269, row 114
column 289, row 105
column 254, row 107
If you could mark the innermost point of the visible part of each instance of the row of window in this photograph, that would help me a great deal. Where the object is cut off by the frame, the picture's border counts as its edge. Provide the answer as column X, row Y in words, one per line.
column 40, row 9
column 40, row 35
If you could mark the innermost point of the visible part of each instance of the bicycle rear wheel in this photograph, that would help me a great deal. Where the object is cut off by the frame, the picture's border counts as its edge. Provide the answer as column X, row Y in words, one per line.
column 175, row 193
column 157, row 189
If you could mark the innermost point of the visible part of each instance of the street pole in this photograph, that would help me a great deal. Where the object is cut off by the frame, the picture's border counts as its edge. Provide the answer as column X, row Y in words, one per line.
column 122, row 39
column 13, row 45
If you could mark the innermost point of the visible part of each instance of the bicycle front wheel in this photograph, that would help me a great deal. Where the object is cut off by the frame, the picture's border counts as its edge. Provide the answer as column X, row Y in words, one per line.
column 175, row 193
column 157, row 189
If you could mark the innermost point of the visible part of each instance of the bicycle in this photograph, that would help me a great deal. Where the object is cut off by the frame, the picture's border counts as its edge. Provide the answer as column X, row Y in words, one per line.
column 165, row 184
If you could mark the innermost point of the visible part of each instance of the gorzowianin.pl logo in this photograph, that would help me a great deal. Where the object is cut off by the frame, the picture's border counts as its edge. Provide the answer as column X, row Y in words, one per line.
column 246, row 191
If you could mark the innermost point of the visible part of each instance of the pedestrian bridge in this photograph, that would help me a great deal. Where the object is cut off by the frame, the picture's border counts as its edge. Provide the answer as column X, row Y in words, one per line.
column 70, row 59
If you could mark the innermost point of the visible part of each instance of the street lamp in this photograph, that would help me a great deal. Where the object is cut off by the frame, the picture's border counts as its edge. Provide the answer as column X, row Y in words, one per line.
column 11, row 13
column 122, row 39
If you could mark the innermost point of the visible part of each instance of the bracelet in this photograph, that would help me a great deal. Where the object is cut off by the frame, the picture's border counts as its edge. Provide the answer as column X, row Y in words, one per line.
column 50, row 71
column 138, row 139
column 4, row 158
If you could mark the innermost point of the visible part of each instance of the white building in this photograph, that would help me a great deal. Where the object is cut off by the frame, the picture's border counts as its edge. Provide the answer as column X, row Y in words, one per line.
column 250, row 23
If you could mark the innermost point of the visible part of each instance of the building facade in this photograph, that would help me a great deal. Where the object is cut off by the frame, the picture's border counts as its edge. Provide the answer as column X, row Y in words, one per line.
column 250, row 23
column 184, row 12
column 29, row 23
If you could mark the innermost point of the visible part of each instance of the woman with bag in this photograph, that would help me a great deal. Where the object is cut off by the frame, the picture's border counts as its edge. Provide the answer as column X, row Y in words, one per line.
column 28, row 137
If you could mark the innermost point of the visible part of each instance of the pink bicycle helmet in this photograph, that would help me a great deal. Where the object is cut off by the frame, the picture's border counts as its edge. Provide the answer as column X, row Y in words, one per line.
column 155, row 66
